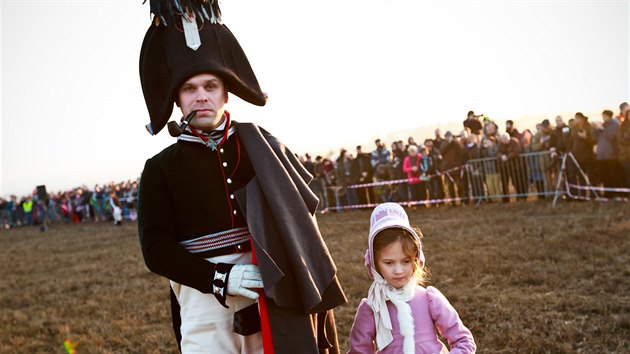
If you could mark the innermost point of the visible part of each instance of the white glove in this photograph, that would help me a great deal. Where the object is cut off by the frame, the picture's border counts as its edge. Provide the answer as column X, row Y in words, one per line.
column 243, row 278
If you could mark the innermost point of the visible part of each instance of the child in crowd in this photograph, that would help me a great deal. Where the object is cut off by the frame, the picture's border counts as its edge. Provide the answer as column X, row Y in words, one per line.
column 116, row 209
column 400, row 316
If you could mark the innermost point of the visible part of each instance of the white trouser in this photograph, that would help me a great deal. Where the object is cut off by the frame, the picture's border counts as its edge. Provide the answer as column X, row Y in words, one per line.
column 117, row 214
column 206, row 325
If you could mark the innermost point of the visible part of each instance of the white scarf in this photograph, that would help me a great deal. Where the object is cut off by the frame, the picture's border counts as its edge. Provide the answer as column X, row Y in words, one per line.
column 378, row 295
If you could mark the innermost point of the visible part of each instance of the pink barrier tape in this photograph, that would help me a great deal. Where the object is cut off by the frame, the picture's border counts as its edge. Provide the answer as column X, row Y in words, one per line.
column 373, row 184
column 355, row 206
column 572, row 196
column 602, row 189
column 398, row 181
column 372, row 205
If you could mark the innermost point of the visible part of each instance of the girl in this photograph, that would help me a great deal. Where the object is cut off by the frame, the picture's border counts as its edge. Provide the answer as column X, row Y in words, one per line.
column 400, row 316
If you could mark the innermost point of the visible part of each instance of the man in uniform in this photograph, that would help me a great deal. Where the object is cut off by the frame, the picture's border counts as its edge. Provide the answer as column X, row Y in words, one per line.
column 225, row 213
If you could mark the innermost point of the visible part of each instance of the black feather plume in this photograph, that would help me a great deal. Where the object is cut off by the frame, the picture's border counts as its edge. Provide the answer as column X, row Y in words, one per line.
column 165, row 11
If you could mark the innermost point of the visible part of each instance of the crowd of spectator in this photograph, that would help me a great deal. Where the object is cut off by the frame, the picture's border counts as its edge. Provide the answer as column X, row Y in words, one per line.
column 480, row 162
column 107, row 202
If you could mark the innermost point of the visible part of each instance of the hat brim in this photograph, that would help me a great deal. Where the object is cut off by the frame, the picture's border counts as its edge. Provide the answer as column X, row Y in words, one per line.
column 375, row 232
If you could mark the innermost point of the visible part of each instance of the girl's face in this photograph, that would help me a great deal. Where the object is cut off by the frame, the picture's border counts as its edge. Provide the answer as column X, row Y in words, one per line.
column 394, row 265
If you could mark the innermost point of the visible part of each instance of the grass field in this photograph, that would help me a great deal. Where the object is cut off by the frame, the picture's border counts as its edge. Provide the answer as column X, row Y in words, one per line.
column 524, row 277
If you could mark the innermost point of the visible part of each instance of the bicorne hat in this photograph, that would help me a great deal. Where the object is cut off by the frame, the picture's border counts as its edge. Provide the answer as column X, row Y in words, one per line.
column 187, row 38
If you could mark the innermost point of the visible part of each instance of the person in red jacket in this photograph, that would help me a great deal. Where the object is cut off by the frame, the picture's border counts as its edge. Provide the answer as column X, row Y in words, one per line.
column 414, row 168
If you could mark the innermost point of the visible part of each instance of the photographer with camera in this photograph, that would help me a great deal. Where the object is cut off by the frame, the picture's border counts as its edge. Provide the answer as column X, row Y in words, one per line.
column 581, row 146
column 473, row 123
column 559, row 140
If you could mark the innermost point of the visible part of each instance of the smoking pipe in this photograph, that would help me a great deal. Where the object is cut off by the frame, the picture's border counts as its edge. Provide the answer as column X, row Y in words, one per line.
column 176, row 129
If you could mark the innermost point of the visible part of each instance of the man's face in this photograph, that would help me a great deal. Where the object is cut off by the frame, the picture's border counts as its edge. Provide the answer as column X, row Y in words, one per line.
column 437, row 133
column 508, row 126
column 578, row 120
column 491, row 129
column 559, row 121
column 206, row 94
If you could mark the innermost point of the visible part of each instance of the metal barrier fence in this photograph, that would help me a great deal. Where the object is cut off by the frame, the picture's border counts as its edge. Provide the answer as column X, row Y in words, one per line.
column 530, row 175
column 578, row 184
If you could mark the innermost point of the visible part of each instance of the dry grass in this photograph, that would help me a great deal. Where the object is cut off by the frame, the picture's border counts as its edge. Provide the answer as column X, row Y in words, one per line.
column 524, row 277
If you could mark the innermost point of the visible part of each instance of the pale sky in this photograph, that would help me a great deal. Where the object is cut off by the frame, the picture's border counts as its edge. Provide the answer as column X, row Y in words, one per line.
column 338, row 73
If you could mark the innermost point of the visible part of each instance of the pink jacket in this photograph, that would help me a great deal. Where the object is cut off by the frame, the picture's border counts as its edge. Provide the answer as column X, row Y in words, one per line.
column 411, row 177
column 430, row 309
